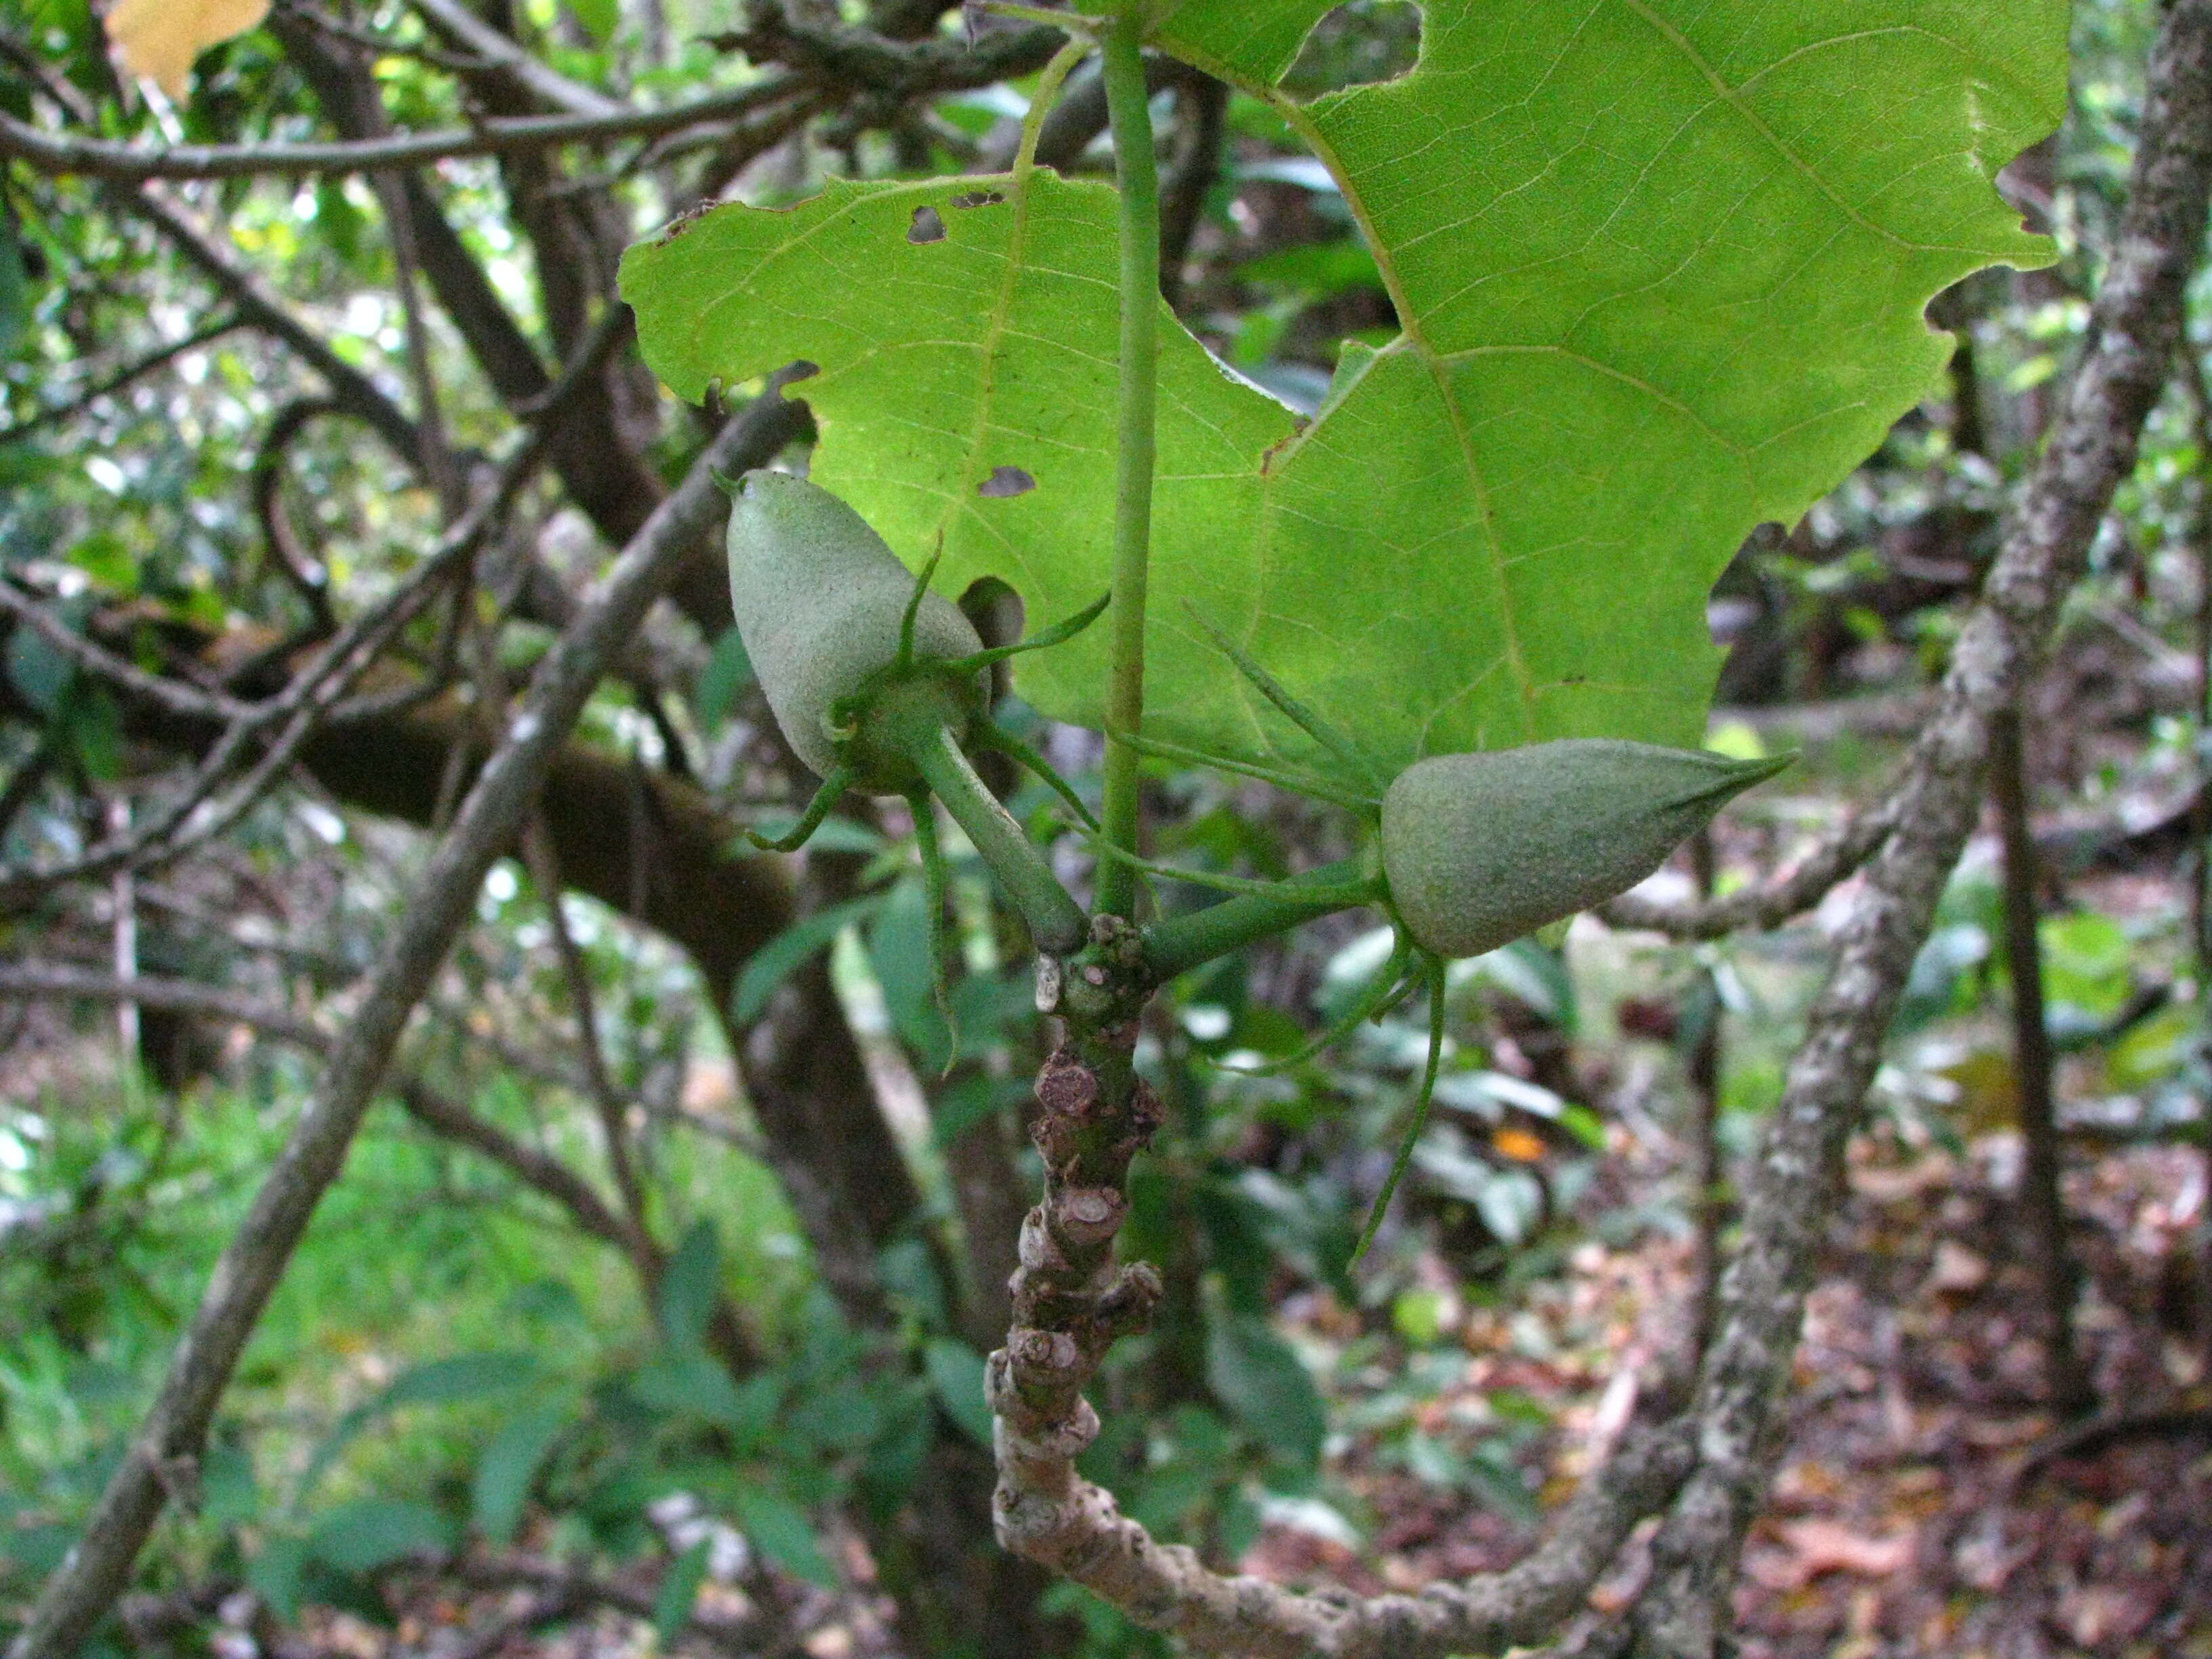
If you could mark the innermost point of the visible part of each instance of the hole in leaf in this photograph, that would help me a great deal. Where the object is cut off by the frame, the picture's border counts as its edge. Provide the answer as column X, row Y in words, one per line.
column 1362, row 43
column 997, row 613
column 1007, row 481
column 994, row 608
column 927, row 226
column 975, row 198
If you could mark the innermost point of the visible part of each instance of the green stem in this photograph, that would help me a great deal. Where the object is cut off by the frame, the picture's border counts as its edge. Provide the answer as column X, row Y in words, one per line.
column 1183, row 943
column 1381, row 993
column 1056, row 922
column 1137, row 172
column 994, row 736
column 933, row 888
column 832, row 790
column 1040, row 101
column 1435, row 977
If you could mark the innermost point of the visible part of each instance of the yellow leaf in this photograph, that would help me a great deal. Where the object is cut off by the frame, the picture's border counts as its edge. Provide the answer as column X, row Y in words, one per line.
column 1989, row 1093
column 1518, row 1145
column 158, row 38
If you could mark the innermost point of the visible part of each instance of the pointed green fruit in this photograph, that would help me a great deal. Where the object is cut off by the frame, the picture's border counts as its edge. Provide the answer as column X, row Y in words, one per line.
column 1479, row 849
column 819, row 599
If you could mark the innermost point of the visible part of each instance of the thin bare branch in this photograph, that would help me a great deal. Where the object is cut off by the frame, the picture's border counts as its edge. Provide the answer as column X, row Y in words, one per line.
column 539, row 1171
column 607, row 1100
column 498, row 54
column 259, row 308
column 384, row 46
column 316, row 696
column 138, row 370
column 193, row 817
column 1070, row 1302
column 174, row 695
column 1770, row 903
column 301, row 572
column 127, row 163
column 751, row 1635
column 45, row 983
column 863, row 60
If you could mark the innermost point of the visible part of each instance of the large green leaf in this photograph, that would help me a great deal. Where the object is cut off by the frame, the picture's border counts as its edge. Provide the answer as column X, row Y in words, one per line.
column 1661, row 267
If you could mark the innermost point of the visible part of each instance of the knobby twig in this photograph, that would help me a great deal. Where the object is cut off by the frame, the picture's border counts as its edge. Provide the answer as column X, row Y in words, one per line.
column 1070, row 1302
column 168, row 1441
column 2134, row 325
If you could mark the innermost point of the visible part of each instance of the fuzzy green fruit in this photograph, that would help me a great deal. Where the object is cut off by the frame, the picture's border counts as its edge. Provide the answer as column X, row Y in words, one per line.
column 1479, row 849
column 819, row 598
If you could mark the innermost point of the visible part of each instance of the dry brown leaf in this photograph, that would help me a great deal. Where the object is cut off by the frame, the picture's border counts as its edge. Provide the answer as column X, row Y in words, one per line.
column 1957, row 1270
column 158, row 38
column 1815, row 1546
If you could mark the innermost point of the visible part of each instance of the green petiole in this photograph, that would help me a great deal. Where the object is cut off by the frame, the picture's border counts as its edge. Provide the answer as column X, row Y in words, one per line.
column 1059, row 634
column 1282, row 777
column 1341, row 895
column 1289, row 707
column 996, row 737
column 902, row 664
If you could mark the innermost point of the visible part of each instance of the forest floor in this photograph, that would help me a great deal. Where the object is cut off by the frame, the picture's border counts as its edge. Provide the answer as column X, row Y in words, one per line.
column 1927, row 1502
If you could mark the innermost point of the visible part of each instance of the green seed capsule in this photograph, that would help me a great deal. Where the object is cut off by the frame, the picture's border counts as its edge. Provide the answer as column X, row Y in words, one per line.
column 1479, row 849
column 820, row 599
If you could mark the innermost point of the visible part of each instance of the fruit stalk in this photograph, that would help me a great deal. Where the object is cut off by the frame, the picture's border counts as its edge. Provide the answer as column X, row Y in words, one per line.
column 1056, row 922
column 1181, row 942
